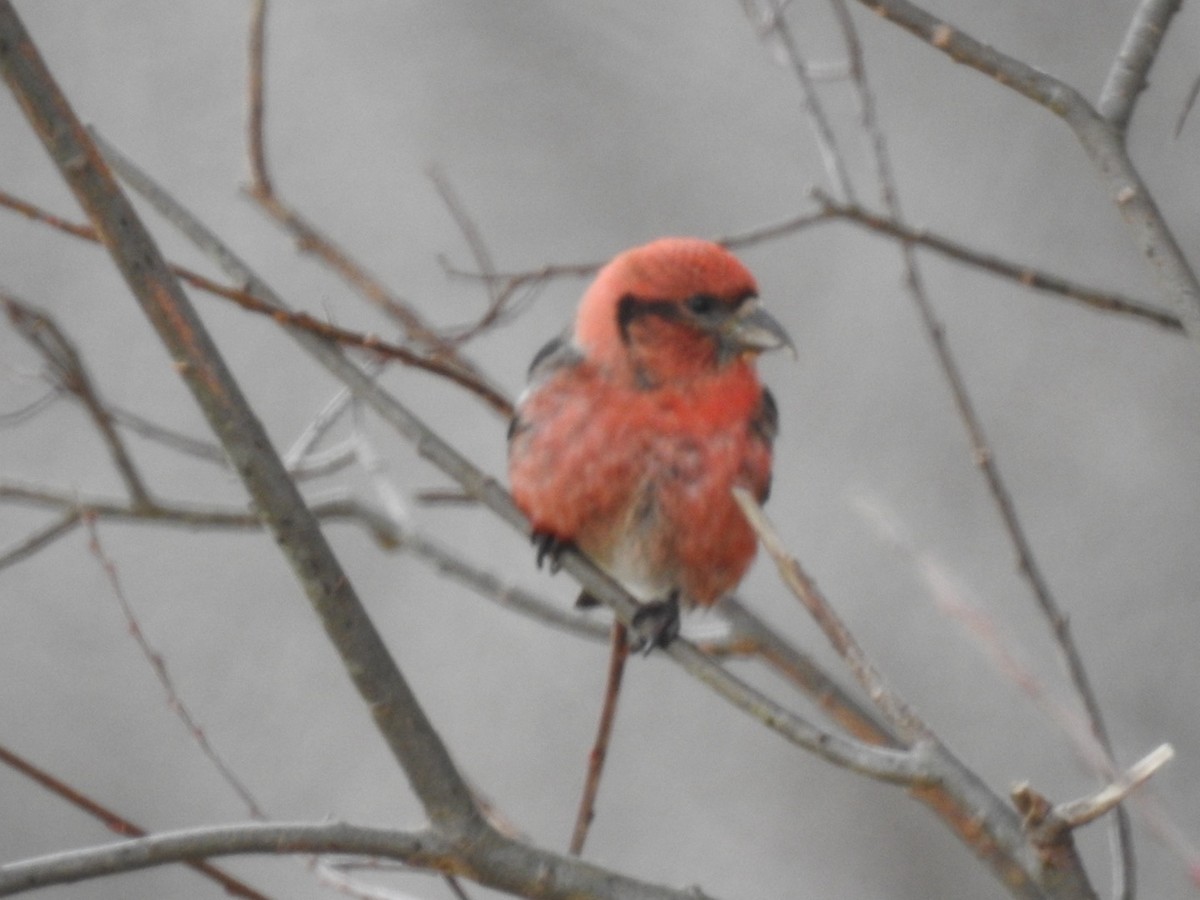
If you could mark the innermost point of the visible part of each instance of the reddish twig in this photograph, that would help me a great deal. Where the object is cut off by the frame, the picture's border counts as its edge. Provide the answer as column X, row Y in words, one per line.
column 117, row 823
column 309, row 239
column 618, row 654
column 68, row 372
column 159, row 664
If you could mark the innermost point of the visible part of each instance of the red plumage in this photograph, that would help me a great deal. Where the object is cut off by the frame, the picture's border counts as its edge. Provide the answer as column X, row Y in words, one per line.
column 634, row 430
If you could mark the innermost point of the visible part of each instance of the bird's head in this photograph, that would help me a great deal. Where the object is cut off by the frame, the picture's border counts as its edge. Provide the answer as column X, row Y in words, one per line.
column 674, row 309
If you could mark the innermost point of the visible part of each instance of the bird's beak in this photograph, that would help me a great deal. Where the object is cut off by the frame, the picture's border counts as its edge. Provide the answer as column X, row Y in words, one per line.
column 753, row 330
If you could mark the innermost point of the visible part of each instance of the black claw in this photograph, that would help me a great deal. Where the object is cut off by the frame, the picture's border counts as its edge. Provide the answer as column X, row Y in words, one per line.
column 586, row 601
column 549, row 548
column 655, row 624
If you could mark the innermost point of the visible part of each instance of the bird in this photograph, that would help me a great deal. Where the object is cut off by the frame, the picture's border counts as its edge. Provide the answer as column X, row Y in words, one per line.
column 636, row 425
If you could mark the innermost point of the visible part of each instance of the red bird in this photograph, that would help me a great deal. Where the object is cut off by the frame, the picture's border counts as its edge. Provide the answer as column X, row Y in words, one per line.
column 634, row 430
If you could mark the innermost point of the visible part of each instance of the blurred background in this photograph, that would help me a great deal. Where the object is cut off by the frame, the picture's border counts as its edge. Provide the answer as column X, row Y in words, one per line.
column 571, row 131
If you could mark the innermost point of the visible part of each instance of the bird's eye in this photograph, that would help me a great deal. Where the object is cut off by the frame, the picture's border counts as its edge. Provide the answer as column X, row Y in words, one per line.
column 702, row 304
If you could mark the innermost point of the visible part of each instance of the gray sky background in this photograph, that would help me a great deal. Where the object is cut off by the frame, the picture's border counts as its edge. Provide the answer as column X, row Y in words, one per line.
column 571, row 131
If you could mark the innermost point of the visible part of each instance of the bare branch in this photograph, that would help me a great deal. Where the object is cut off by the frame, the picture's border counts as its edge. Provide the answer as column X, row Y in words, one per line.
column 1103, row 143
column 1188, row 103
column 508, row 596
column 29, row 210
column 64, row 362
column 158, row 663
column 617, row 655
column 249, row 300
column 32, row 409
column 1025, row 275
column 980, row 448
column 954, row 785
column 492, row 860
column 770, row 22
column 1127, row 77
column 898, row 714
column 1075, row 813
column 887, row 765
column 43, row 537
column 469, row 230
column 115, row 822
column 395, row 709
column 1050, row 826
column 879, row 223
column 205, row 450
column 309, row 239
column 255, row 99
column 803, row 672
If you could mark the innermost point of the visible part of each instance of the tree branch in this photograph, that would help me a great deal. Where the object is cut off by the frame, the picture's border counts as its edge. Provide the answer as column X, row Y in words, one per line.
column 1026, row 275
column 234, row 887
column 1071, row 870
column 1101, row 140
column 493, row 860
column 886, row 765
column 1127, row 77
column 396, row 711
column 68, row 372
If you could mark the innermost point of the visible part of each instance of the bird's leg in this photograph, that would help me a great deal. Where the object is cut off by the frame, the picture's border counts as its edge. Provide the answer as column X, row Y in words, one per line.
column 655, row 624
column 550, row 548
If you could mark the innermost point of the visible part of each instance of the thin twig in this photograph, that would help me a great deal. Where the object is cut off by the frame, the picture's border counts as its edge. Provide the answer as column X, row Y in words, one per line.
column 1188, row 103
column 39, row 539
column 935, row 331
column 1026, row 275
column 467, row 227
column 119, row 824
column 1103, row 143
column 373, row 464
column 320, row 425
column 248, row 300
column 445, row 560
column 32, row 409
column 980, row 448
column 31, row 211
column 770, row 22
column 1075, row 813
column 158, row 663
column 805, row 674
column 68, row 371
column 309, row 239
column 256, row 98
column 832, row 211
column 618, row 653
column 898, row 714
column 396, row 712
column 437, row 365
column 205, row 450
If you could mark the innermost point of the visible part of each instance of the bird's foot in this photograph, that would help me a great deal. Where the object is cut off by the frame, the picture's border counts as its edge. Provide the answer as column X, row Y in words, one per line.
column 655, row 624
column 549, row 547
column 586, row 601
